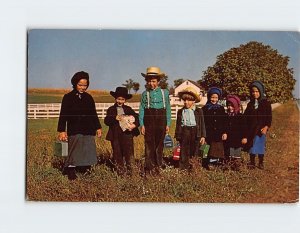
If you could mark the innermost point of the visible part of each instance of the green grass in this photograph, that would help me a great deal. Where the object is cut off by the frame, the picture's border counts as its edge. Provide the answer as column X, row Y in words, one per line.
column 279, row 181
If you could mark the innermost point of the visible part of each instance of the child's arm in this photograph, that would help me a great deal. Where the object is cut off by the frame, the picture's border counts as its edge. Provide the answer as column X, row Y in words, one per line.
column 168, row 108
column 110, row 118
column 178, row 125
column 142, row 112
column 62, row 121
column 268, row 118
column 224, row 124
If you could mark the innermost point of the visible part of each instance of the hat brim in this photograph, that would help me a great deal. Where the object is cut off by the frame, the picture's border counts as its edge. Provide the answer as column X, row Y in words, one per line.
column 116, row 95
column 197, row 98
column 146, row 76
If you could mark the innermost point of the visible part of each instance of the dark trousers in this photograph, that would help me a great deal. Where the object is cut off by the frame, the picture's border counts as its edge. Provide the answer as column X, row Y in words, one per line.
column 155, row 123
column 123, row 149
column 189, row 146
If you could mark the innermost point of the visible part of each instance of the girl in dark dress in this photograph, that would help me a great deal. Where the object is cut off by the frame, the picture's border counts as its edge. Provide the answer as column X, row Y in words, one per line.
column 235, row 132
column 215, row 124
column 78, row 124
column 258, row 115
column 123, row 122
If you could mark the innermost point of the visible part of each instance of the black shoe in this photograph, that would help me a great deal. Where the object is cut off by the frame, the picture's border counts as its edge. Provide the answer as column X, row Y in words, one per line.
column 261, row 162
column 65, row 171
column 71, row 173
column 83, row 169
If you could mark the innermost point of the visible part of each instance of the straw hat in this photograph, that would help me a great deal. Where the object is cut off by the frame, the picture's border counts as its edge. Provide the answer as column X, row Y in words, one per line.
column 191, row 91
column 153, row 72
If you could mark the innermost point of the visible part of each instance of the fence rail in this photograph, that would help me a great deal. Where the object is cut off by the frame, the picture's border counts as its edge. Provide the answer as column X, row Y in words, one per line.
column 46, row 111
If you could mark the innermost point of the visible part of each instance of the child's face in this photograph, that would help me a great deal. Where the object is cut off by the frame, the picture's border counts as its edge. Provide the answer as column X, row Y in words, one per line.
column 188, row 103
column 230, row 107
column 120, row 101
column 81, row 85
column 255, row 93
column 214, row 98
column 152, row 83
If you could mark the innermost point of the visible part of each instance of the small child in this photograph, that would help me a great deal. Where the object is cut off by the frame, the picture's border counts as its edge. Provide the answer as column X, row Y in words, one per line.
column 190, row 127
column 235, row 132
column 258, row 115
column 155, row 119
column 123, row 122
column 215, row 123
column 78, row 124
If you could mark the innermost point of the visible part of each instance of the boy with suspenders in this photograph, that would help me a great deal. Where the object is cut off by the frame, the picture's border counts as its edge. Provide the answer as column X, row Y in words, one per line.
column 155, row 119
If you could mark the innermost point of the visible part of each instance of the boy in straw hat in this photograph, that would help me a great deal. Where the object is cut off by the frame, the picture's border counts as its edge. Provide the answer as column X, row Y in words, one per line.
column 123, row 122
column 154, row 118
column 190, row 127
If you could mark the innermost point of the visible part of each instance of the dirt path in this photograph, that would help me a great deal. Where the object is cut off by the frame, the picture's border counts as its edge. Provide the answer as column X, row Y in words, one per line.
column 281, row 174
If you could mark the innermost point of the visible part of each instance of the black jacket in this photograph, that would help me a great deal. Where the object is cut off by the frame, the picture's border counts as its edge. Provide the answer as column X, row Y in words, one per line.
column 114, row 127
column 256, row 119
column 79, row 116
column 236, row 130
column 200, row 125
column 215, row 123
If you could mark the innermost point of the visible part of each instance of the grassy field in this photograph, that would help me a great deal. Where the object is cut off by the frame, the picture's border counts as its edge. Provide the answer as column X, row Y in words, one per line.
column 42, row 95
column 279, row 182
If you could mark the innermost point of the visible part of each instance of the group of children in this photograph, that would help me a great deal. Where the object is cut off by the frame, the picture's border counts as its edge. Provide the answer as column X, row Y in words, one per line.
column 226, row 132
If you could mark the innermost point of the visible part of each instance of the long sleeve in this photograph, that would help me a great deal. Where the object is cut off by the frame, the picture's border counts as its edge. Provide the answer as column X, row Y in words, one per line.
column 110, row 118
column 168, row 107
column 268, row 114
column 202, row 124
column 142, row 108
column 178, row 128
column 96, row 119
column 62, row 121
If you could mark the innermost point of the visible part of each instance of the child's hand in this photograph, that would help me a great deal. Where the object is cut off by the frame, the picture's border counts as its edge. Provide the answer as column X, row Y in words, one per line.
column 143, row 131
column 202, row 141
column 167, row 129
column 264, row 130
column 63, row 136
column 99, row 133
column 119, row 117
column 131, row 126
column 244, row 141
column 224, row 136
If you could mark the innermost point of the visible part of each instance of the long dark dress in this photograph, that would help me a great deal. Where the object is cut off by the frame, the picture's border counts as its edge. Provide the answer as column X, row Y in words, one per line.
column 256, row 119
column 79, row 118
column 236, row 131
column 215, row 124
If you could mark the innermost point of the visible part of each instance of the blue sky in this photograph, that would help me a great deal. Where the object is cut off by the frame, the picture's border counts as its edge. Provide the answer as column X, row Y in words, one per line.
column 113, row 56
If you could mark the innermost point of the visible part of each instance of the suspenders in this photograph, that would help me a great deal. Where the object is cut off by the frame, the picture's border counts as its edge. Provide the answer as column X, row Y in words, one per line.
column 163, row 96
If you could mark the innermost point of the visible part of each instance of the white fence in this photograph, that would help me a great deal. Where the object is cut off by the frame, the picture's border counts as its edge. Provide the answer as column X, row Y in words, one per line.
column 46, row 111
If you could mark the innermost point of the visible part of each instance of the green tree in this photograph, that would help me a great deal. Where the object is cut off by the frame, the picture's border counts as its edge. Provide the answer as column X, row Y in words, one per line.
column 235, row 69
column 177, row 82
column 136, row 87
column 128, row 84
column 163, row 83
